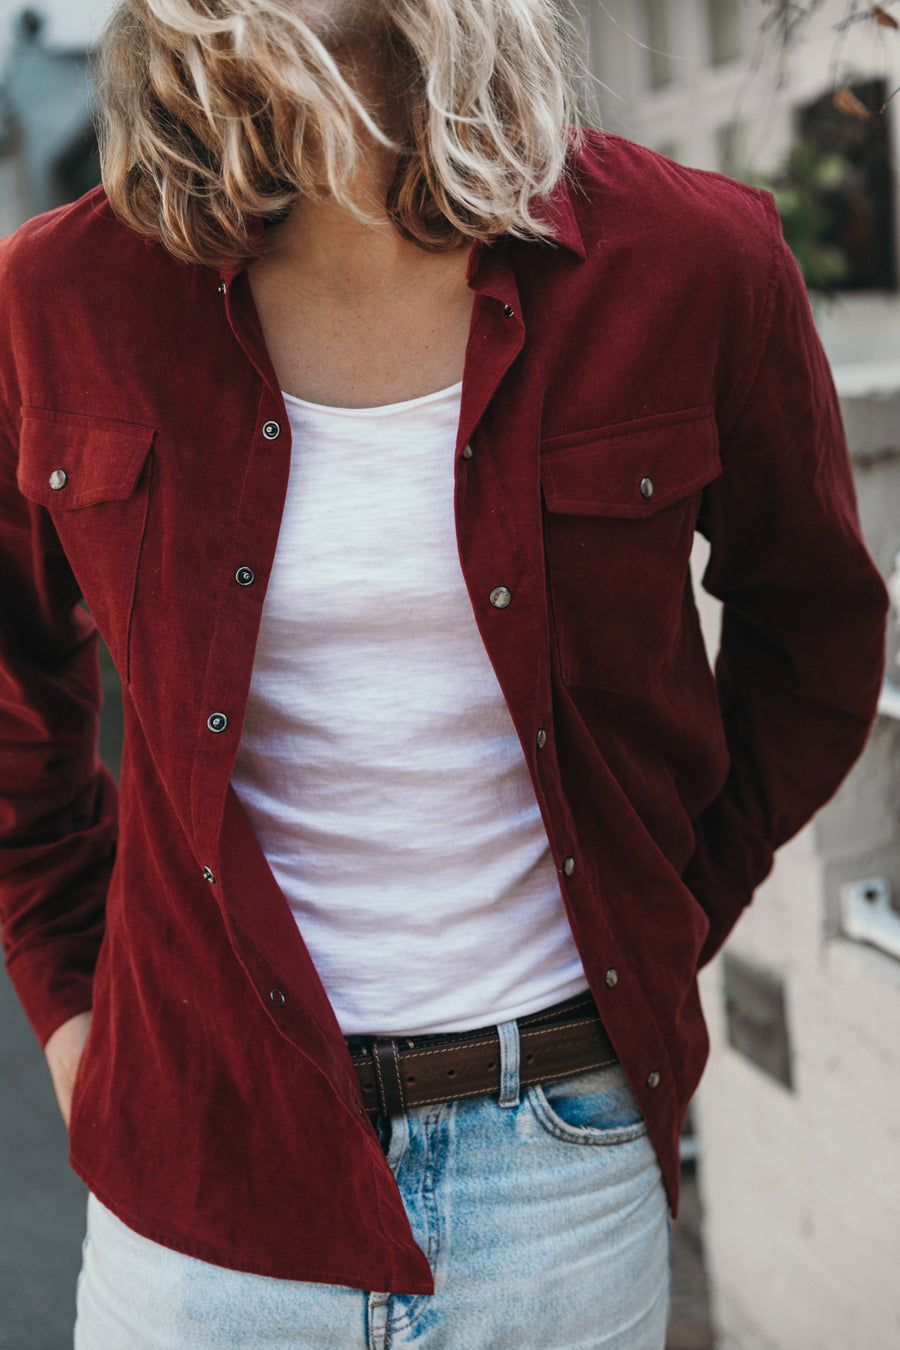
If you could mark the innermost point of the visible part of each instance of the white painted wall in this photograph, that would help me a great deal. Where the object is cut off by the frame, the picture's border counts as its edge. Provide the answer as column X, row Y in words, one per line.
column 756, row 87
column 802, row 1189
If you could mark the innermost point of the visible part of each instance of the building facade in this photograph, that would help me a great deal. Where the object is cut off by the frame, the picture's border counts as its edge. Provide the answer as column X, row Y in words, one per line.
column 799, row 1112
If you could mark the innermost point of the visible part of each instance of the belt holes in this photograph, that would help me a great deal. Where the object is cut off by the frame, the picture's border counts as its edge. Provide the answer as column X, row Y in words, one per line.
column 528, row 1058
column 491, row 1065
column 451, row 1073
column 410, row 1078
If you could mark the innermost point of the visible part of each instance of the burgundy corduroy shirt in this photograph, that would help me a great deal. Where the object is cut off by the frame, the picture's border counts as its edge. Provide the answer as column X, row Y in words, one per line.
column 654, row 372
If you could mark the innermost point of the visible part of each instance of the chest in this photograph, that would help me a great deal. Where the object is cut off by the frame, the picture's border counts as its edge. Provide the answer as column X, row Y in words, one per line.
column 352, row 350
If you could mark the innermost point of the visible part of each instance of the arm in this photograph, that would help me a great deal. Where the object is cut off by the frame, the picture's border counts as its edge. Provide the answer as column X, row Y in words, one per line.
column 57, row 804
column 802, row 652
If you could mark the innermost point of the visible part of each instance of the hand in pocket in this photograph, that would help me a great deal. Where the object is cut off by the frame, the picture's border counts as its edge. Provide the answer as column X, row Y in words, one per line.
column 64, row 1050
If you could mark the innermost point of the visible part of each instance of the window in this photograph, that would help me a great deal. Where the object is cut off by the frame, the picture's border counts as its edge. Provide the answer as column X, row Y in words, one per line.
column 851, row 181
column 724, row 23
column 656, row 27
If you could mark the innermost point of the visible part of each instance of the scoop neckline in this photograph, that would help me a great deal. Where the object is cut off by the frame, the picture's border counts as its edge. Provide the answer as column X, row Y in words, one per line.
column 377, row 409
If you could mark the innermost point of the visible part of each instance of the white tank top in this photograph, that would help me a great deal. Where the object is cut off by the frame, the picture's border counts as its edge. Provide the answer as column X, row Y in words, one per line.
column 378, row 763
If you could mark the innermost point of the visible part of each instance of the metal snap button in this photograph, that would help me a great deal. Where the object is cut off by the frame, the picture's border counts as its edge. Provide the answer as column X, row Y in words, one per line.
column 612, row 978
column 245, row 576
column 509, row 312
column 222, row 288
column 568, row 867
column 541, row 739
column 647, row 488
column 501, row 598
column 654, row 1078
column 272, row 430
column 277, row 998
column 209, row 876
column 467, row 452
column 218, row 722
column 58, row 479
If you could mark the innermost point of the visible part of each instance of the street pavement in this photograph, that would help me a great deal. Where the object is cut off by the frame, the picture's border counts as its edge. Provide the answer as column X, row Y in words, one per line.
column 42, row 1202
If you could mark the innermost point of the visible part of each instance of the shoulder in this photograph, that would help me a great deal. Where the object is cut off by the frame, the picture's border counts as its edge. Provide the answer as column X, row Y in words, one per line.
column 77, row 286
column 682, row 244
column 70, row 242
column 674, row 214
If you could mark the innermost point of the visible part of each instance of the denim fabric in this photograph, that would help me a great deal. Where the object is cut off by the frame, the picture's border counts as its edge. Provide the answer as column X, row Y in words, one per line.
column 543, row 1218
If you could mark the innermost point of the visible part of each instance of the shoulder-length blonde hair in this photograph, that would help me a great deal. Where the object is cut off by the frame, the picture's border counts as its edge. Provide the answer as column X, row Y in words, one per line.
column 214, row 115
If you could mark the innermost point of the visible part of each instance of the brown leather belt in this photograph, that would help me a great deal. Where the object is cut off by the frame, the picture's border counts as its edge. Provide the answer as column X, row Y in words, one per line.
column 397, row 1074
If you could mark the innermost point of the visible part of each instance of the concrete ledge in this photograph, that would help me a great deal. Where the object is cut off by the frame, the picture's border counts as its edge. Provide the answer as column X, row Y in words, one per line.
column 869, row 392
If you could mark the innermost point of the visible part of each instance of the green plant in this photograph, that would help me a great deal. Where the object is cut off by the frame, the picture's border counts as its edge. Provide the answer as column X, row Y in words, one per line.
column 807, row 192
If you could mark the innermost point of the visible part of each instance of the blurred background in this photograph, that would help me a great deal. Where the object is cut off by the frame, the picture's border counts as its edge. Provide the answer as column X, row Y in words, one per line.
column 790, row 1234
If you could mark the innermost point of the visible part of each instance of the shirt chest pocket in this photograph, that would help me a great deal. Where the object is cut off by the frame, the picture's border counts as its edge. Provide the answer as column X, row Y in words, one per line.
column 93, row 476
column 621, row 504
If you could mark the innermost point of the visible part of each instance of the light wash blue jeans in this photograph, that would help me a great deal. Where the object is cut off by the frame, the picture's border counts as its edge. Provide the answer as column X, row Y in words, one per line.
column 542, row 1214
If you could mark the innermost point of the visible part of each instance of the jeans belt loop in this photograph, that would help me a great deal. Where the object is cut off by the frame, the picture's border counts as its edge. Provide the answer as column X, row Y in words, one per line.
column 386, row 1057
column 509, row 1064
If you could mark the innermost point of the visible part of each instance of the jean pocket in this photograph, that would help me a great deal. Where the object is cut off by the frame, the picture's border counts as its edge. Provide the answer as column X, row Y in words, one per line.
column 597, row 1107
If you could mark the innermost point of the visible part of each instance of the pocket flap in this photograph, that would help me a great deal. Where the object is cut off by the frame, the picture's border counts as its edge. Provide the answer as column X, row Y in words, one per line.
column 68, row 460
column 633, row 469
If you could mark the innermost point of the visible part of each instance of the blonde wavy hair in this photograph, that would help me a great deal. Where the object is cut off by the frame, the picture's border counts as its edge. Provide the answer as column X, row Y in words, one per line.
column 214, row 115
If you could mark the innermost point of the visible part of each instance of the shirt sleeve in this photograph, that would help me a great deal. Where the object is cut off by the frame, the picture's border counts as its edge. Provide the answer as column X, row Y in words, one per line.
column 58, row 807
column 802, row 650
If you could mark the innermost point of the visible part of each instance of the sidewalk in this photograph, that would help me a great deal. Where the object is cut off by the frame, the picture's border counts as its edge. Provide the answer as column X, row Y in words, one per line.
column 42, row 1202
column 689, row 1322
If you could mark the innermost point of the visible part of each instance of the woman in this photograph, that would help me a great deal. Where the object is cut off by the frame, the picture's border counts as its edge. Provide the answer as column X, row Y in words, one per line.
column 373, row 417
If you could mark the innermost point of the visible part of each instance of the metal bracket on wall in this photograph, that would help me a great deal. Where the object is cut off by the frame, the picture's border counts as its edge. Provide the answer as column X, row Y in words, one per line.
column 868, row 916
column 756, row 1016
column 889, row 702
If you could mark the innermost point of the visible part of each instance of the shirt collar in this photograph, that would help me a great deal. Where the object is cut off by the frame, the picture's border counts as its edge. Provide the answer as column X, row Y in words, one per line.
column 558, row 212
